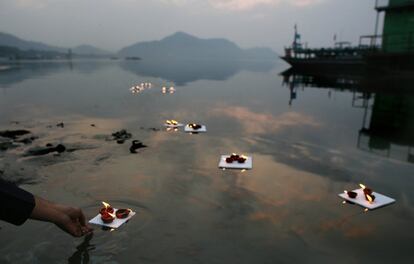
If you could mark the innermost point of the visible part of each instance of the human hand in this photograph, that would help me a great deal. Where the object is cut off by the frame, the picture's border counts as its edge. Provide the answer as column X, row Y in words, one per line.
column 72, row 220
column 69, row 219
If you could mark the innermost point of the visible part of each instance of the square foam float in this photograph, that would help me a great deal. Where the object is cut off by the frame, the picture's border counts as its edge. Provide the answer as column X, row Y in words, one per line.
column 247, row 165
column 115, row 224
column 188, row 129
column 380, row 199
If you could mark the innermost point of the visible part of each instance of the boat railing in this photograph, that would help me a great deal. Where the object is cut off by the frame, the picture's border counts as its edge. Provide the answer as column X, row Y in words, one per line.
column 391, row 43
column 370, row 41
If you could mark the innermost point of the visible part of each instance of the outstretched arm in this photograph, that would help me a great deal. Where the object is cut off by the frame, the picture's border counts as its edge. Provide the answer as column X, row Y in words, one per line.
column 69, row 219
column 18, row 205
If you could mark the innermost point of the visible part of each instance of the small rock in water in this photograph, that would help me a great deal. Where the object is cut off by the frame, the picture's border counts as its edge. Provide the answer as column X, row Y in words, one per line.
column 61, row 124
column 13, row 134
column 136, row 144
column 39, row 151
column 121, row 136
column 7, row 145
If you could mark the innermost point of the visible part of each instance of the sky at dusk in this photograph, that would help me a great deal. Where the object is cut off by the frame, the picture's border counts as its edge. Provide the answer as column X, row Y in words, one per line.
column 113, row 24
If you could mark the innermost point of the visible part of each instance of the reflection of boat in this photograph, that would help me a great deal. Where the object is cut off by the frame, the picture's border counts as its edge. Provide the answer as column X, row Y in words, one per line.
column 387, row 102
column 393, row 50
column 390, row 129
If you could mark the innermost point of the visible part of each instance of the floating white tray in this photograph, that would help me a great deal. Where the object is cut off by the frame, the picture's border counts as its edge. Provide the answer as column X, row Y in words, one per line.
column 380, row 200
column 115, row 224
column 174, row 126
column 248, row 164
column 188, row 129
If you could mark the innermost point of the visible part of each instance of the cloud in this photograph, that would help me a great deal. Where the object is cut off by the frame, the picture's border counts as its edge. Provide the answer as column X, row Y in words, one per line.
column 233, row 5
column 240, row 5
column 262, row 123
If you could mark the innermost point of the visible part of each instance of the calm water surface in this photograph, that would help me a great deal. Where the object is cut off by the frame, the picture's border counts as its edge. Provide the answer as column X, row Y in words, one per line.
column 308, row 145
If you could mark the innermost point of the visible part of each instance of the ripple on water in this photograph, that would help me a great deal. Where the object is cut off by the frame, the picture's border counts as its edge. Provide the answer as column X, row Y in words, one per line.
column 106, row 244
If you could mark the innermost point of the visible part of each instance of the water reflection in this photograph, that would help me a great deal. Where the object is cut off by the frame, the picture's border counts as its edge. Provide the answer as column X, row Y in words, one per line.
column 189, row 211
column 20, row 71
column 141, row 87
column 81, row 255
column 182, row 72
column 388, row 113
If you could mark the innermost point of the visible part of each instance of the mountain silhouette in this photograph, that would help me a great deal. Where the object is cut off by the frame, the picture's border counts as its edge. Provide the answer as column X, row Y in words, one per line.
column 10, row 40
column 181, row 45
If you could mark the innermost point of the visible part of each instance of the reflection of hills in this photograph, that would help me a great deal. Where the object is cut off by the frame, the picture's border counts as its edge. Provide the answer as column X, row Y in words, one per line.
column 18, row 72
column 184, row 71
column 389, row 99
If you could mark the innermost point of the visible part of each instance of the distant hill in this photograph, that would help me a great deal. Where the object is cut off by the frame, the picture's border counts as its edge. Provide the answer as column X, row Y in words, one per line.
column 90, row 50
column 9, row 40
column 185, row 46
column 13, row 41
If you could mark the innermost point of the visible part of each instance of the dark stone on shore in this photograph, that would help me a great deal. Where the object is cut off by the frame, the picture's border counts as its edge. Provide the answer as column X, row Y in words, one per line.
column 136, row 144
column 7, row 145
column 93, row 125
column 121, row 136
column 13, row 134
column 61, row 124
column 40, row 151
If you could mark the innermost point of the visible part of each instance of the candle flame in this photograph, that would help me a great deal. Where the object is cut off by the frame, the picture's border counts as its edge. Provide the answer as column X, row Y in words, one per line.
column 106, row 204
column 113, row 215
column 172, row 122
column 366, row 210
column 362, row 186
column 369, row 198
column 345, row 191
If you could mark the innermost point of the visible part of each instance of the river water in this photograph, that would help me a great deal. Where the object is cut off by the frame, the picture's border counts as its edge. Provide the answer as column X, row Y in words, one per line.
column 310, row 138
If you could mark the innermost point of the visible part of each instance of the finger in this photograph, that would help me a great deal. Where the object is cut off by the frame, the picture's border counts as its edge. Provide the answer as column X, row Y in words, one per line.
column 86, row 229
column 81, row 217
column 72, row 228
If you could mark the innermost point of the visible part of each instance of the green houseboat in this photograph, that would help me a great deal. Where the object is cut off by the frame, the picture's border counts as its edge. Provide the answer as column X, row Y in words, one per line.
column 393, row 50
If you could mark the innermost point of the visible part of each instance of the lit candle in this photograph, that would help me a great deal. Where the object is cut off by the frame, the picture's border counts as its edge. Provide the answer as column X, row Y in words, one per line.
column 107, row 217
column 365, row 189
column 106, row 209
